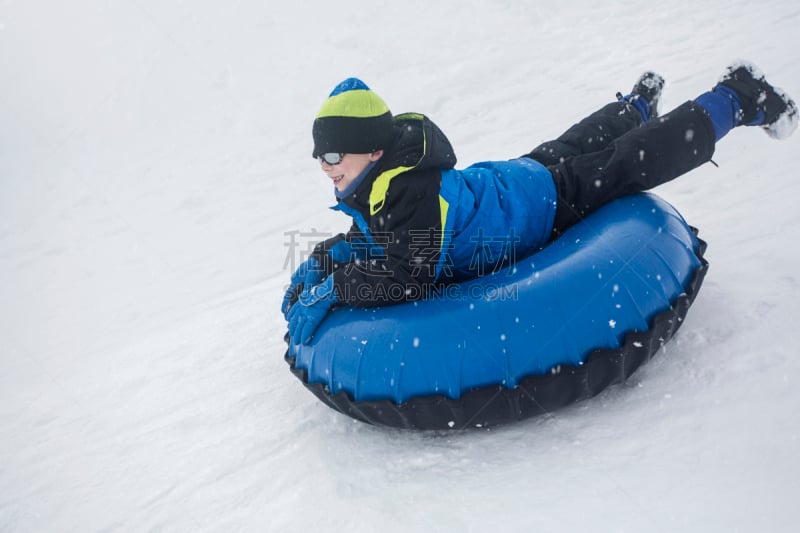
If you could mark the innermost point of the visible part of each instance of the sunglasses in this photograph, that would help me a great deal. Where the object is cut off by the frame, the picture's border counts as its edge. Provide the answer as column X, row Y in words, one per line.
column 332, row 158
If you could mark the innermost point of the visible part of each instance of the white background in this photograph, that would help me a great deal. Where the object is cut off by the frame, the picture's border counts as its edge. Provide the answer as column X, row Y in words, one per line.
column 155, row 155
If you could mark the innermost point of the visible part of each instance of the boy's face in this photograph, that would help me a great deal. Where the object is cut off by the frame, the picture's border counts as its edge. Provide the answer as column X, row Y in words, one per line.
column 351, row 166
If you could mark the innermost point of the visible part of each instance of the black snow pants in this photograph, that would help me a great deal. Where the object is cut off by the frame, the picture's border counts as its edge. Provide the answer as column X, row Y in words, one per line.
column 610, row 154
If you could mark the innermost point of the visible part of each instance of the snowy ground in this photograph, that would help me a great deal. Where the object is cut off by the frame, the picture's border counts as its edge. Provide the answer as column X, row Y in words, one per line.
column 154, row 156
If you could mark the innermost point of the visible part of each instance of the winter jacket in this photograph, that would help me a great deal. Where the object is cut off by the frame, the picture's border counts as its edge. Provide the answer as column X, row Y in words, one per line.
column 418, row 223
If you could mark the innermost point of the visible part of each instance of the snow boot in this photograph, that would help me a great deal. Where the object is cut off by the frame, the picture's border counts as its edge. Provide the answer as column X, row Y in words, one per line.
column 761, row 103
column 648, row 88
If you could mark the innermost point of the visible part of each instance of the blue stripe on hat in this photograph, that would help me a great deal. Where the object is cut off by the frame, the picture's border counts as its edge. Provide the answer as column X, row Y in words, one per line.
column 350, row 84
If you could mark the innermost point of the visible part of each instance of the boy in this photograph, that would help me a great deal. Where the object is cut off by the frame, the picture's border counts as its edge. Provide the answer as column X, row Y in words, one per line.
column 419, row 224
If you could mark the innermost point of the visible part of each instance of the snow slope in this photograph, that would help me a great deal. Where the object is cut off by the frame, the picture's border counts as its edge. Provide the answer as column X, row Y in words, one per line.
column 154, row 162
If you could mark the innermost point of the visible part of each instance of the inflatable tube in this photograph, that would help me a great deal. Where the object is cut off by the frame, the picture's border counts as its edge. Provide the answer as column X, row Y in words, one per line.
column 557, row 327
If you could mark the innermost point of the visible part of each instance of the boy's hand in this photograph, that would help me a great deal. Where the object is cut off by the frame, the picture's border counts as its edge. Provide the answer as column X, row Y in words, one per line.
column 315, row 302
column 308, row 274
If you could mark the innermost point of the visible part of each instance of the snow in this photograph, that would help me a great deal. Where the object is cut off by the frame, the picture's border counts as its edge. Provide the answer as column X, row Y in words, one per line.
column 154, row 160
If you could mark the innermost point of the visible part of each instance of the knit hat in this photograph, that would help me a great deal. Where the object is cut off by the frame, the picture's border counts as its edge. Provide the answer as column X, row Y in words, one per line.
column 353, row 120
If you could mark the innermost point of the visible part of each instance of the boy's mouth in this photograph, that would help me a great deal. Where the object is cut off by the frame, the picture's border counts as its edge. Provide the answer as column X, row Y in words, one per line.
column 337, row 179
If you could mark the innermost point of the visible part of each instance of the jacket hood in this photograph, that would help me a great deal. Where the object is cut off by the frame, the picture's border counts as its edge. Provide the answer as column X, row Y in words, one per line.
column 419, row 143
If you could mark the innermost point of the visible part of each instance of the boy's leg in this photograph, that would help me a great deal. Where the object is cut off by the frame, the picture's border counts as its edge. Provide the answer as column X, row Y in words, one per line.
column 592, row 134
column 666, row 148
column 598, row 130
column 641, row 159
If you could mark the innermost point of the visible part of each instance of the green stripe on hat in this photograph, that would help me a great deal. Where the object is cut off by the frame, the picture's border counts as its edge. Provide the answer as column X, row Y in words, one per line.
column 356, row 104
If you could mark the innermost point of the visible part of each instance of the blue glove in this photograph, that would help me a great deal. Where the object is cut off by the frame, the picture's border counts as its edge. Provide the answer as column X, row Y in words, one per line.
column 315, row 302
column 308, row 274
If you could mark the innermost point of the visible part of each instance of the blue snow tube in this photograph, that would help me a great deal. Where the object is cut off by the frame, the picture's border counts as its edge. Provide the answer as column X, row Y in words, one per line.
column 557, row 327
